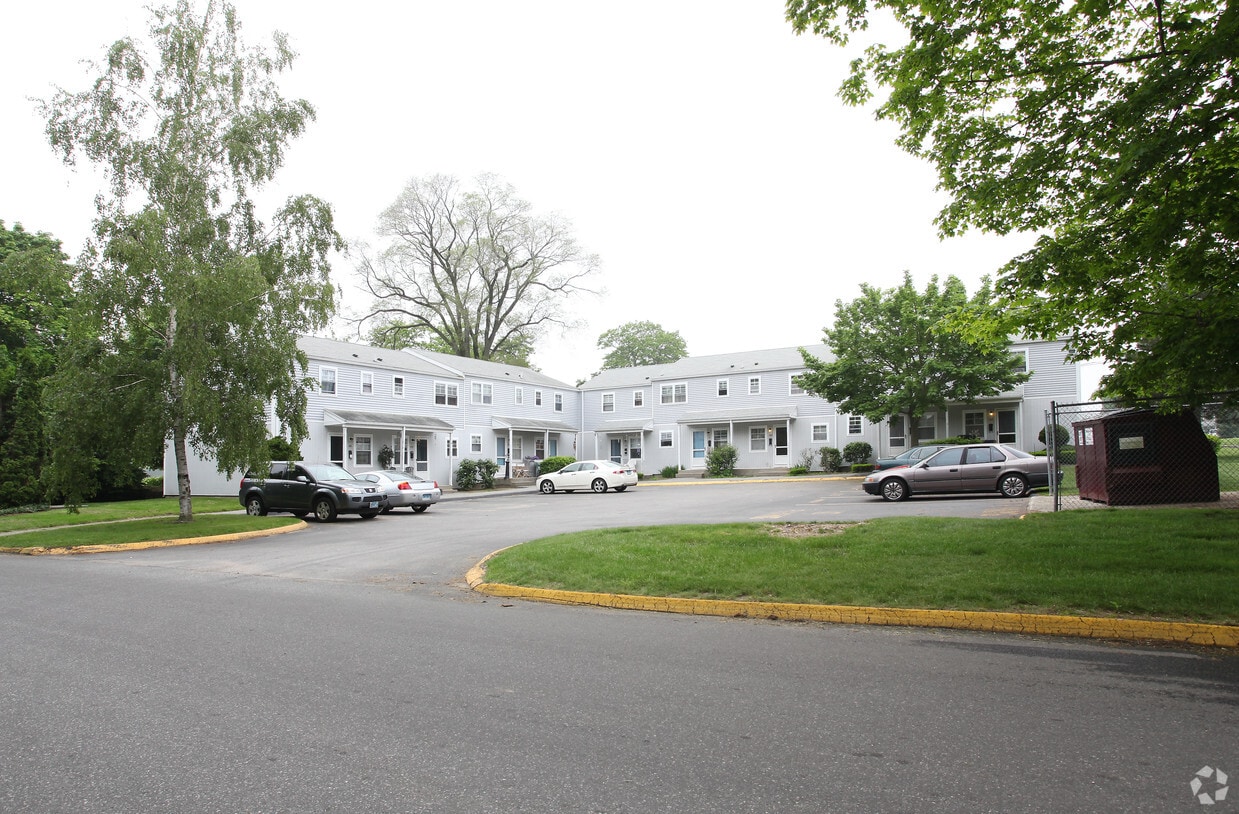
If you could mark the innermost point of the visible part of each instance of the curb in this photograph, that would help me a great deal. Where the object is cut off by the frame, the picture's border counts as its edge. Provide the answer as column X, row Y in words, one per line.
column 182, row 541
column 1091, row 627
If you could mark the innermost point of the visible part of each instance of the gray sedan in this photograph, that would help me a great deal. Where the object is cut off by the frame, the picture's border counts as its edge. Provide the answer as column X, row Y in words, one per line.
column 403, row 489
column 971, row 468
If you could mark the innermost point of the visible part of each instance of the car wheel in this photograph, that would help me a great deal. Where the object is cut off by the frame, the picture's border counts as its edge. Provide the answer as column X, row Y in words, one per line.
column 894, row 489
column 1013, row 485
column 385, row 510
column 420, row 509
column 546, row 487
column 620, row 488
column 599, row 485
column 254, row 506
column 324, row 510
column 368, row 515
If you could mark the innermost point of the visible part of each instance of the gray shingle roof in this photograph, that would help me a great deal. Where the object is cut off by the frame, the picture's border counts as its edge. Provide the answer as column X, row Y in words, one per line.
column 725, row 364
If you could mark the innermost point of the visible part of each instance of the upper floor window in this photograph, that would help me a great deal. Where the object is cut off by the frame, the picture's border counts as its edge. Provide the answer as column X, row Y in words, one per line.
column 537, row 398
column 447, row 394
column 397, row 386
column 483, row 393
column 559, row 403
column 638, row 398
column 721, row 387
column 327, row 380
column 673, row 393
column 754, row 385
column 1019, row 360
column 608, row 402
column 855, row 427
column 520, row 395
column 367, row 384
column 794, row 388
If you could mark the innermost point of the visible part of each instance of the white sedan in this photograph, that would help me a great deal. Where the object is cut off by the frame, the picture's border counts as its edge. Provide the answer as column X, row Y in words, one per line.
column 597, row 476
column 403, row 489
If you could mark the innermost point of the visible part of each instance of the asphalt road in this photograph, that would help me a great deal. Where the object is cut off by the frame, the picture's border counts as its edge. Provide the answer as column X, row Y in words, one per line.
column 345, row 668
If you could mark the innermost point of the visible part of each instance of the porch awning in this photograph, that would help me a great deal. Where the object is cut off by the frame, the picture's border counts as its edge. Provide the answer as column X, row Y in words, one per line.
column 636, row 425
column 384, row 421
column 744, row 416
column 530, row 425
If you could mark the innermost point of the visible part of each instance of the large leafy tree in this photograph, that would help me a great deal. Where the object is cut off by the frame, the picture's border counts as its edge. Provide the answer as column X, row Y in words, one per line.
column 35, row 296
column 1110, row 127
column 896, row 353
column 641, row 343
column 189, row 305
column 470, row 271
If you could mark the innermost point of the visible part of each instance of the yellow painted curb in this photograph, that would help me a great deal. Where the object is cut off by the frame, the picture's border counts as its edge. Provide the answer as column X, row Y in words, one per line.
column 1029, row 623
column 101, row 549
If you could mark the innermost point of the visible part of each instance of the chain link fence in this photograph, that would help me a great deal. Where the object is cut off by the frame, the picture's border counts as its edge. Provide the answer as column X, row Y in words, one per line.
column 1127, row 454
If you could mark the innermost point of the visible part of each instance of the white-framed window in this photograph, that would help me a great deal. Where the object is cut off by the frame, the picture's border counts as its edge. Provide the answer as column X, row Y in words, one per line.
column 1019, row 360
column 638, row 398
column 367, row 383
column 754, row 385
column 520, row 395
column 451, row 448
column 475, row 444
column 327, row 381
column 673, row 393
column 559, row 402
column 608, row 402
column 820, row 433
column 793, row 386
column 974, row 423
column 757, row 439
column 855, row 425
column 899, row 436
column 482, row 393
column 447, row 394
column 537, row 398
column 720, row 387
column 666, row 439
column 397, row 386
column 363, row 448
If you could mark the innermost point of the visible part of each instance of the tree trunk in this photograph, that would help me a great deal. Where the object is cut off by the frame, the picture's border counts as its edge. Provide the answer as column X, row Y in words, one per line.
column 182, row 475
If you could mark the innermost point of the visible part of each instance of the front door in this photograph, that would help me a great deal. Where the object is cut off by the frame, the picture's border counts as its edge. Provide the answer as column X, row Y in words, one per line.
column 421, row 453
column 1006, row 426
column 780, row 446
column 699, row 448
column 616, row 451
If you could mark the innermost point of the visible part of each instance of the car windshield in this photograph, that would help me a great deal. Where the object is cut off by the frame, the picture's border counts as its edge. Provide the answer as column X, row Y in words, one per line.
column 329, row 472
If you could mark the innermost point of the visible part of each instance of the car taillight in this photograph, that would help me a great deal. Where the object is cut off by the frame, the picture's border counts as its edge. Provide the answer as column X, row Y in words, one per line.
column 404, row 486
column 436, row 483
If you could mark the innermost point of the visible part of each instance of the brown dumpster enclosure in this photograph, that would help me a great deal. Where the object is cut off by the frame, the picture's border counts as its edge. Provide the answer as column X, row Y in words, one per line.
column 1139, row 457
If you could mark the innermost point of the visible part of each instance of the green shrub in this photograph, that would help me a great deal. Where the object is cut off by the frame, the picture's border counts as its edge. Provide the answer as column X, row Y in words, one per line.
column 832, row 459
column 806, row 459
column 958, row 439
column 467, row 475
column 721, row 462
column 555, row 463
column 1216, row 440
column 857, row 452
column 1061, row 436
column 486, row 469
column 798, row 470
column 862, row 467
column 670, row 471
column 281, row 450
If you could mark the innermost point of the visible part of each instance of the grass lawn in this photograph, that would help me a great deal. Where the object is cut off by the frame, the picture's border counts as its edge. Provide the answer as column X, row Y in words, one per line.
column 1178, row 564
column 120, row 510
column 146, row 530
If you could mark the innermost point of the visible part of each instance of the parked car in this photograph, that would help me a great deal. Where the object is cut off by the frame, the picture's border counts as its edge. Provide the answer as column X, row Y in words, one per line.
column 968, row 468
column 597, row 476
column 908, row 457
column 404, row 489
column 325, row 490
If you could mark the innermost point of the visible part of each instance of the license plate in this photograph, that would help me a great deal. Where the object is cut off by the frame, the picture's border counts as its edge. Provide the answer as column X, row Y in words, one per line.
column 427, row 496
column 374, row 504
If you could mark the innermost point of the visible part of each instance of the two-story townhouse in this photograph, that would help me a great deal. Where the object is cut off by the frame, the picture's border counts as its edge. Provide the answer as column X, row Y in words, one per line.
column 429, row 410
column 674, row 414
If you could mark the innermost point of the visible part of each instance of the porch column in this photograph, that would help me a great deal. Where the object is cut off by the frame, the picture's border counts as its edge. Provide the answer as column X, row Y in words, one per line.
column 348, row 460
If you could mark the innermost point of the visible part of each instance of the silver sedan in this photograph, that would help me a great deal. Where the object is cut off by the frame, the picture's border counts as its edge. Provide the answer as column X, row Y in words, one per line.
column 403, row 489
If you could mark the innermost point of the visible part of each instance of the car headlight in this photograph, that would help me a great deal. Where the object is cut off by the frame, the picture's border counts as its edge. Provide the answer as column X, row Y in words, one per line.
column 352, row 490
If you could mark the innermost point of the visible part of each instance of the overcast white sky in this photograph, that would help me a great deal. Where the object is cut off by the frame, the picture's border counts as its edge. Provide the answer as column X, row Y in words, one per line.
column 697, row 147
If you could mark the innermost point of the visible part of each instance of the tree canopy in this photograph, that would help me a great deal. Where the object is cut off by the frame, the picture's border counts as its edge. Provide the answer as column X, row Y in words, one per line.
column 1108, row 127
column 896, row 353
column 189, row 305
column 473, row 272
column 640, row 343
